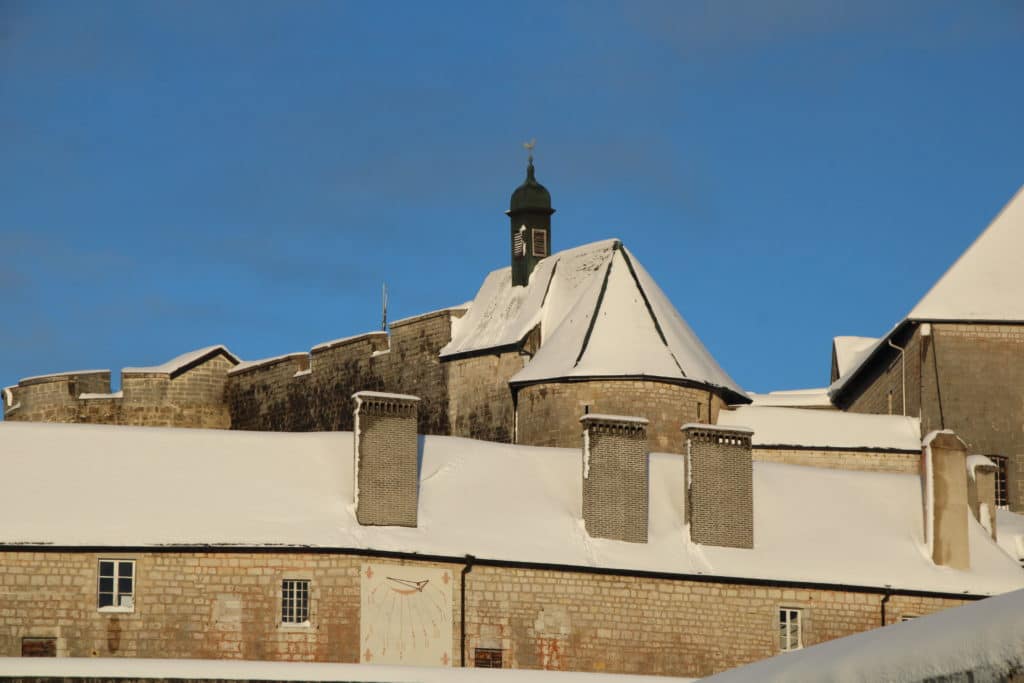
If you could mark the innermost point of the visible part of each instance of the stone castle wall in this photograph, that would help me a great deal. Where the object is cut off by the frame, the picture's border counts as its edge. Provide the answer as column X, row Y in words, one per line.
column 549, row 413
column 313, row 393
column 968, row 378
column 227, row 605
column 193, row 398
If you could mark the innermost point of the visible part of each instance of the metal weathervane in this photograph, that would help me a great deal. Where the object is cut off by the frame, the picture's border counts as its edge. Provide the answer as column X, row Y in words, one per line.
column 528, row 146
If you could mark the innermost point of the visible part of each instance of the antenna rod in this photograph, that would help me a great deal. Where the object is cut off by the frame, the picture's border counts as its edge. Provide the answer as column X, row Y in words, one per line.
column 384, row 300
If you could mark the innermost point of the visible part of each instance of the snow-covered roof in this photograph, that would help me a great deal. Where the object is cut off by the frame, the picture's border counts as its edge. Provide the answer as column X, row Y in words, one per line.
column 67, row 373
column 850, row 351
column 182, row 362
column 983, row 285
column 600, row 315
column 825, row 428
column 494, row 501
column 107, row 668
column 986, row 282
column 984, row 637
column 1010, row 532
column 793, row 398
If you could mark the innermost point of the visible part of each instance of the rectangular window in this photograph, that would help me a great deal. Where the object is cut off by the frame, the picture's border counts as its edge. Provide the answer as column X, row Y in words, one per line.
column 517, row 244
column 790, row 632
column 38, row 647
column 487, row 658
column 294, row 601
column 908, row 617
column 1001, row 498
column 116, row 589
column 540, row 243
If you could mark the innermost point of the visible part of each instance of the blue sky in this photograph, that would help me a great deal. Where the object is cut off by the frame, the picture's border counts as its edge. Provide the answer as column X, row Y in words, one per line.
column 178, row 174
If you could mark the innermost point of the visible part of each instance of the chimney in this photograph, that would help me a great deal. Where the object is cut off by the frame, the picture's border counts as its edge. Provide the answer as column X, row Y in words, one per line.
column 981, row 491
column 944, row 485
column 720, row 479
column 615, row 477
column 386, row 475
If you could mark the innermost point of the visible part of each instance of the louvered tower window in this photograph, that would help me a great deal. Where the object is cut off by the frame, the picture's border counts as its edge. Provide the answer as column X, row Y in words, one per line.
column 540, row 243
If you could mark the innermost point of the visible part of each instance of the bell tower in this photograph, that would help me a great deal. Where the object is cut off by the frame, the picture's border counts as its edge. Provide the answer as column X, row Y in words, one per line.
column 529, row 212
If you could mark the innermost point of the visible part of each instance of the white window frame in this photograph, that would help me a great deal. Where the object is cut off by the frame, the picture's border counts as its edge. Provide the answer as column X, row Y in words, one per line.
column 291, row 604
column 124, row 601
column 784, row 626
column 519, row 243
column 541, row 253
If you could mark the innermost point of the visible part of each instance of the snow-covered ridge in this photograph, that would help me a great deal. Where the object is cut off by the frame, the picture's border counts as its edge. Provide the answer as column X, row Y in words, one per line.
column 184, row 360
column 494, row 501
column 825, row 428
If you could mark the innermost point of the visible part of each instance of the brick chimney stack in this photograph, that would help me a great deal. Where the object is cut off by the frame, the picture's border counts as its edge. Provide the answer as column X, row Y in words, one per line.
column 981, row 491
column 615, row 477
column 386, row 459
column 720, row 476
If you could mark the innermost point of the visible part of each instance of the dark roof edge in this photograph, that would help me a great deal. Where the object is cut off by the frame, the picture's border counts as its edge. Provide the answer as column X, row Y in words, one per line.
column 513, row 564
column 843, row 449
column 725, row 393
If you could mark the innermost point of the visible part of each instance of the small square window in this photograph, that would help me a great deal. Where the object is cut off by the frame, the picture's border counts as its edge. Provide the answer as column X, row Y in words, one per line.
column 540, row 243
column 295, row 601
column 116, row 586
column 790, row 629
column 487, row 658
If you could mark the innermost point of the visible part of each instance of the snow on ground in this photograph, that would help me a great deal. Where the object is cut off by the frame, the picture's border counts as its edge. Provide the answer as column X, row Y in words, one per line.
column 181, row 361
column 223, row 669
column 495, row 501
column 825, row 428
column 985, row 637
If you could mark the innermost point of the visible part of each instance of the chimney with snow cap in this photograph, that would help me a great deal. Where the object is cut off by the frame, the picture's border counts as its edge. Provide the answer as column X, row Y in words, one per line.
column 615, row 477
column 385, row 458
column 944, row 489
column 981, row 491
column 720, row 485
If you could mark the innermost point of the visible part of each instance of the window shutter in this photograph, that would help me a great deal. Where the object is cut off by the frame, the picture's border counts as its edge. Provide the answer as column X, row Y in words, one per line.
column 540, row 243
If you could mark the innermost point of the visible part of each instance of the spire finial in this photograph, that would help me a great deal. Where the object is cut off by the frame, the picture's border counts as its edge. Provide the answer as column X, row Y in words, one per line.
column 528, row 146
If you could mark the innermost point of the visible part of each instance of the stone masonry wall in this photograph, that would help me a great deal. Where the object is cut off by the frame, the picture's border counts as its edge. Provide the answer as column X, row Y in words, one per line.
column 480, row 401
column 549, row 413
column 227, row 605
column 859, row 461
column 288, row 395
column 964, row 377
column 194, row 398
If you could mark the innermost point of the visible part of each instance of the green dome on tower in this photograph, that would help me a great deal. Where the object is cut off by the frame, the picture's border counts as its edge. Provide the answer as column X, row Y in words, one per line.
column 531, row 194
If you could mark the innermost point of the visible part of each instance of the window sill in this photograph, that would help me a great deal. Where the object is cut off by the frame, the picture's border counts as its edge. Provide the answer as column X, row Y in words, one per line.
column 296, row 627
column 115, row 610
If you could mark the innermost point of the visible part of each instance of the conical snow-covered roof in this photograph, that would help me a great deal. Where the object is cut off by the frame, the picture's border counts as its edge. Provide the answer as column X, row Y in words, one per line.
column 600, row 315
column 987, row 282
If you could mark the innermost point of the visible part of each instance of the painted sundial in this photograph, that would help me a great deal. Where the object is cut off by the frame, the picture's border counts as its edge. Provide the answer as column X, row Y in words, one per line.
column 406, row 615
